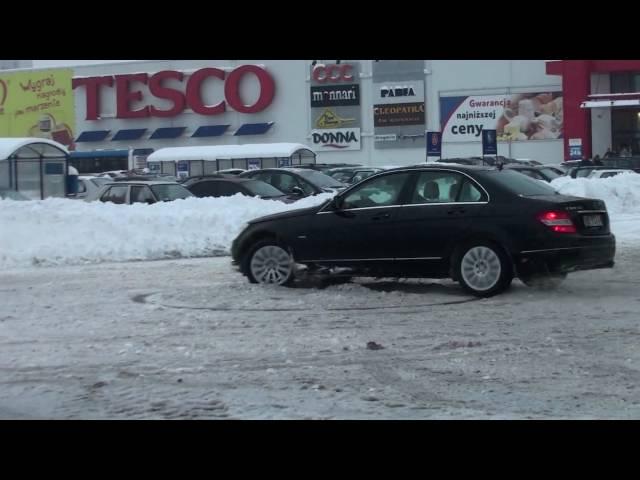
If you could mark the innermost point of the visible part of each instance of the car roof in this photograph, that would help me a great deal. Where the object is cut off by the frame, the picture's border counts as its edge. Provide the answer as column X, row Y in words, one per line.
column 143, row 182
column 232, row 179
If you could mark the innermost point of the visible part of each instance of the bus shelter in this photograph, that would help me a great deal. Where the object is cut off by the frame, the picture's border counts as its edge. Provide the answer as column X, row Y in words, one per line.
column 203, row 160
column 35, row 167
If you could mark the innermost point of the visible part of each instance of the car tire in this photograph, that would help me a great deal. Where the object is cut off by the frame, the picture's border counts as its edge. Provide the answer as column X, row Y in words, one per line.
column 269, row 262
column 543, row 281
column 483, row 268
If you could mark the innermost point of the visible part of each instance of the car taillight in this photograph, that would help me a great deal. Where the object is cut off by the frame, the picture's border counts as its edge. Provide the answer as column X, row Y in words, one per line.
column 558, row 221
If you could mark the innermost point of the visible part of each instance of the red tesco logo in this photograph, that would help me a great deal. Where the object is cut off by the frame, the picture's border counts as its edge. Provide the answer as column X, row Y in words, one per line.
column 332, row 73
column 192, row 98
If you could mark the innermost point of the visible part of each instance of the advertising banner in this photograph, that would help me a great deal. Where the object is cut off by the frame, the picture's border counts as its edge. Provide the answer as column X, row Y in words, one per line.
column 38, row 104
column 335, row 106
column 434, row 144
column 399, row 113
column 515, row 117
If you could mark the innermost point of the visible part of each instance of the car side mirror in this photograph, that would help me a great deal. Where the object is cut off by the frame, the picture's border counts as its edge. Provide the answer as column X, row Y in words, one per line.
column 149, row 201
column 297, row 191
column 336, row 203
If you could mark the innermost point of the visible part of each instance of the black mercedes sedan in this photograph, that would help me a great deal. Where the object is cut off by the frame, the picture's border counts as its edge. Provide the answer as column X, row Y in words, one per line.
column 480, row 226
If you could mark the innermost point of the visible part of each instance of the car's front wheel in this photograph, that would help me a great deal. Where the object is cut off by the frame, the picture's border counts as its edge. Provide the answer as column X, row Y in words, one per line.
column 269, row 262
column 483, row 268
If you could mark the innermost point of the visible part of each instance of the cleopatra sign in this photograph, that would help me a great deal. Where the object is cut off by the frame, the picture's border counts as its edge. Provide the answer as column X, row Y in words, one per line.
column 127, row 91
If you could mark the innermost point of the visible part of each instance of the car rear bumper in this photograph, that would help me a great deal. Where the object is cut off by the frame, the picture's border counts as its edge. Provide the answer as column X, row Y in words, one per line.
column 591, row 254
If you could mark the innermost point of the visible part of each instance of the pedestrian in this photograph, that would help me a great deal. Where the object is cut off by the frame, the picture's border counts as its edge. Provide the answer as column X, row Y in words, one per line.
column 597, row 161
column 609, row 153
column 624, row 151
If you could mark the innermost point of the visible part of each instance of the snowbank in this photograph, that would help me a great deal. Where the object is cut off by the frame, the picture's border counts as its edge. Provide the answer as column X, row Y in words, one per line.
column 621, row 193
column 63, row 231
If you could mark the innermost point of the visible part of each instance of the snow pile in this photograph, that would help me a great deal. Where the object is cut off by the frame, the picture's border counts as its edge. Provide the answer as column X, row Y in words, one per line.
column 62, row 231
column 621, row 193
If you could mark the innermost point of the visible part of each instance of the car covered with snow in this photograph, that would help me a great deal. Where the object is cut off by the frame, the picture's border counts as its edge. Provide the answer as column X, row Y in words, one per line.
column 608, row 173
column 480, row 226
column 132, row 191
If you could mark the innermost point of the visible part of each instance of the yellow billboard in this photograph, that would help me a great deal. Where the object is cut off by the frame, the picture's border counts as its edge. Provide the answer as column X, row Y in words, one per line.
column 38, row 103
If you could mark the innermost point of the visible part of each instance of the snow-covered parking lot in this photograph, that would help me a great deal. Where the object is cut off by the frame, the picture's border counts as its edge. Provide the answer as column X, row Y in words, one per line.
column 82, row 336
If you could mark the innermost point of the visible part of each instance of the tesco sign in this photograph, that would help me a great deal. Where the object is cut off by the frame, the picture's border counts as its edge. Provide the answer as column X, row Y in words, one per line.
column 127, row 91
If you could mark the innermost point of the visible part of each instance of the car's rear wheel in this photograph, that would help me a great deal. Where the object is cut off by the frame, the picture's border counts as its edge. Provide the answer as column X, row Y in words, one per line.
column 543, row 281
column 269, row 262
column 483, row 268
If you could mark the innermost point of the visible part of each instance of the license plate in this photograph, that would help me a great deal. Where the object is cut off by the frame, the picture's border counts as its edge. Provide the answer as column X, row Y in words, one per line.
column 592, row 220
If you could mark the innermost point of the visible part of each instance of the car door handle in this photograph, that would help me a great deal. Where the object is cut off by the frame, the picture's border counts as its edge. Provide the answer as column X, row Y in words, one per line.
column 381, row 216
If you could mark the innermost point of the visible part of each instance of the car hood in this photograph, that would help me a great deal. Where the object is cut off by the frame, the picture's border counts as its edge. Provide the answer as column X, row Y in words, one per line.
column 288, row 214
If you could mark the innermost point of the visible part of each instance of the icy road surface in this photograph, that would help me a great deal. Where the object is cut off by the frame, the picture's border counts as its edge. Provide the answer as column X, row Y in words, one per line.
column 191, row 339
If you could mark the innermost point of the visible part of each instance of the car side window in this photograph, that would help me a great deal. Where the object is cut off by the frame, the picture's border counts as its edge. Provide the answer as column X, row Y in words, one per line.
column 437, row 187
column 264, row 176
column 205, row 189
column 470, row 193
column 142, row 194
column 228, row 189
column 381, row 192
column 116, row 194
column 283, row 182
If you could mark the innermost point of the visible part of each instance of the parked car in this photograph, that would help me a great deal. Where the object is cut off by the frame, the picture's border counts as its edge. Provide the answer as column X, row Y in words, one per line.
column 325, row 167
column 481, row 226
column 232, row 171
column 607, row 173
column 226, row 187
column 537, row 172
column 88, row 186
column 12, row 195
column 580, row 172
column 135, row 191
column 296, row 181
column 351, row 175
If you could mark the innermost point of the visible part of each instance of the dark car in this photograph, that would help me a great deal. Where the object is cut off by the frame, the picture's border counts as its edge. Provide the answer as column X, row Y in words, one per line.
column 226, row 187
column 352, row 175
column 296, row 181
column 539, row 173
column 325, row 167
column 149, row 192
column 481, row 226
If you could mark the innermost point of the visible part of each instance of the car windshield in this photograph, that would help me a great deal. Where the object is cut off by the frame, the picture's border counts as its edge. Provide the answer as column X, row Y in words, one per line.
column 521, row 184
column 98, row 182
column 262, row 189
column 550, row 173
column 343, row 177
column 320, row 179
column 168, row 192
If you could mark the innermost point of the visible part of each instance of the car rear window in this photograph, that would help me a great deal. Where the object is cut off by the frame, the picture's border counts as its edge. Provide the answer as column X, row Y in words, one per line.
column 320, row 179
column 550, row 172
column 520, row 184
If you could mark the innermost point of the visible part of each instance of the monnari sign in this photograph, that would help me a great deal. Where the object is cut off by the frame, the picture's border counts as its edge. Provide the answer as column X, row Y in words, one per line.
column 129, row 89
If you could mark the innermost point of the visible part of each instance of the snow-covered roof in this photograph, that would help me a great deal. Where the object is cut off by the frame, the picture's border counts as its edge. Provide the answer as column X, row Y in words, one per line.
column 213, row 152
column 9, row 145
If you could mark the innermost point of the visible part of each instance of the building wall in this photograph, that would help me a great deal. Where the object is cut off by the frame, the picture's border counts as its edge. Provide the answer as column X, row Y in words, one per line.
column 290, row 109
column 600, row 117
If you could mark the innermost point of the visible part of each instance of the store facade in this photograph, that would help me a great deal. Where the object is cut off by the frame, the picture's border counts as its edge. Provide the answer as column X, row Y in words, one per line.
column 354, row 111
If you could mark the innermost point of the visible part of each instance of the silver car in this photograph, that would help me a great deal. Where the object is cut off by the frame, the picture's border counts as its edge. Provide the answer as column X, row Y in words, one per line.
column 149, row 192
column 88, row 186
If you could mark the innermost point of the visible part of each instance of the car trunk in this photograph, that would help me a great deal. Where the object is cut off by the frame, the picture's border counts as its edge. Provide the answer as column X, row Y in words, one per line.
column 587, row 214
